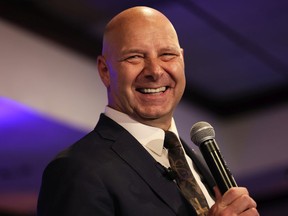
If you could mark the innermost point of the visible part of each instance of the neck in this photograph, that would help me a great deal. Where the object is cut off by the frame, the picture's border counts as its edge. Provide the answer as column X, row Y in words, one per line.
column 158, row 123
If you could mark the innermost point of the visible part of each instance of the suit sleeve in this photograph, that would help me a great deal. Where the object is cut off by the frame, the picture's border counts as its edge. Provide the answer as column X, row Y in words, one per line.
column 69, row 188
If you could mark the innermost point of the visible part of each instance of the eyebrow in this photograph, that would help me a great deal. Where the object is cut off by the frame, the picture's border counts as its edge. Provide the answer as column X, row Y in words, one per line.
column 124, row 52
column 136, row 50
column 171, row 48
column 142, row 51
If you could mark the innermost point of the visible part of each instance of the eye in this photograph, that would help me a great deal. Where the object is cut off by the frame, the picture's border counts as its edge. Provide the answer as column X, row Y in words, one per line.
column 168, row 56
column 134, row 58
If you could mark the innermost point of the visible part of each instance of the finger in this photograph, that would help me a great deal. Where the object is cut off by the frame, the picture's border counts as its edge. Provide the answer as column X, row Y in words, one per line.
column 232, row 194
column 217, row 192
column 236, row 201
column 250, row 212
column 242, row 204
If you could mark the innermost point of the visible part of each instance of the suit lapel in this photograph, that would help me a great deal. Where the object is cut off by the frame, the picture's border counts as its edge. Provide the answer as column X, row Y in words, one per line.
column 131, row 151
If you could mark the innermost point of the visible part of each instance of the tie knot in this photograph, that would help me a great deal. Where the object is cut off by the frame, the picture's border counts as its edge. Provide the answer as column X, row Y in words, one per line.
column 171, row 140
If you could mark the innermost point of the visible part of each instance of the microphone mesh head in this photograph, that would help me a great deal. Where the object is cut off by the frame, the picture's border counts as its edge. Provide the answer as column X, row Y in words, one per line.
column 200, row 132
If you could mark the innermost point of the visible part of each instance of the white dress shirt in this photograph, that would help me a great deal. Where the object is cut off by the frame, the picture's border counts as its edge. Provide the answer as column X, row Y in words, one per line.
column 152, row 139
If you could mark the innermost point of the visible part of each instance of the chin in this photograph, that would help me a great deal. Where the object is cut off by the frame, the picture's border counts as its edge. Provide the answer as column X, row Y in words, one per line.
column 153, row 111
column 154, row 115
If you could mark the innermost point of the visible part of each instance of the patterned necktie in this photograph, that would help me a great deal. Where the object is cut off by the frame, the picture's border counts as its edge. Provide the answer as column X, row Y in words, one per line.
column 184, row 177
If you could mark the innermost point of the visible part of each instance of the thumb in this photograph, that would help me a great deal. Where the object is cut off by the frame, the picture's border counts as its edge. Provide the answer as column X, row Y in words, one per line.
column 218, row 197
column 217, row 192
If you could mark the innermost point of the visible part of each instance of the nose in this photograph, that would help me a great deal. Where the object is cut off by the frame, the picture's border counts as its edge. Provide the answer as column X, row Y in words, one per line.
column 153, row 69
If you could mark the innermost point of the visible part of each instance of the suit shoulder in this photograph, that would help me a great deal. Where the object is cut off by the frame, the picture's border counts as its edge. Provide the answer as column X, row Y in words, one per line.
column 90, row 147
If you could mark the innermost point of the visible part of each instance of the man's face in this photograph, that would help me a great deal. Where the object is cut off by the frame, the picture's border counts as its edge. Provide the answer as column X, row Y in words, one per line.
column 146, row 70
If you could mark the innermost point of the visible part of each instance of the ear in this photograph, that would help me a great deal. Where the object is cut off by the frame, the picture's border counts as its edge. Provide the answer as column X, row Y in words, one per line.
column 182, row 51
column 103, row 70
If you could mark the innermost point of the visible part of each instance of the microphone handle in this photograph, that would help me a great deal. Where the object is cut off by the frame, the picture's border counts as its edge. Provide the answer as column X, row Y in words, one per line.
column 218, row 167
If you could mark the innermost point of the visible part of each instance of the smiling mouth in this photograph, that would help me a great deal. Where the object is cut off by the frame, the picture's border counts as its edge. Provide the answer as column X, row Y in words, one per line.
column 152, row 90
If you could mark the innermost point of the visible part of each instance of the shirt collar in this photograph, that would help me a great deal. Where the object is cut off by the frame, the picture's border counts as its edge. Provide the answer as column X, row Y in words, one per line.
column 150, row 137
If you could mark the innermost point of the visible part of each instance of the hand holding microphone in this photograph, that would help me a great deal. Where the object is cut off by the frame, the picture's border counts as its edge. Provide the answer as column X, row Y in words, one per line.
column 203, row 135
column 235, row 201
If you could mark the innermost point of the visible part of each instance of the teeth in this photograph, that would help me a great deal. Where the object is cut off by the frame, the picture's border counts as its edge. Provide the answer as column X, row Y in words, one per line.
column 150, row 90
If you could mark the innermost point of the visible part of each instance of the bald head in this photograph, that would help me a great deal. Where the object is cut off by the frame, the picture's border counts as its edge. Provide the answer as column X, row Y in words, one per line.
column 128, row 21
column 142, row 66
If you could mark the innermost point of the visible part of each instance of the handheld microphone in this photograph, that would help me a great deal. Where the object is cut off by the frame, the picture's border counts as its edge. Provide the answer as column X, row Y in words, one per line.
column 203, row 135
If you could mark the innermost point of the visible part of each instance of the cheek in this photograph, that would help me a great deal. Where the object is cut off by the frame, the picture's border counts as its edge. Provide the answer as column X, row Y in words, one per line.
column 181, row 71
column 177, row 71
column 122, row 82
column 183, row 79
column 116, row 75
column 127, row 75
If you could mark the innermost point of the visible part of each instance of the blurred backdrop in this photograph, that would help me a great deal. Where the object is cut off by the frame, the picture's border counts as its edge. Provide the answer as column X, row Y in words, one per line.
column 237, row 80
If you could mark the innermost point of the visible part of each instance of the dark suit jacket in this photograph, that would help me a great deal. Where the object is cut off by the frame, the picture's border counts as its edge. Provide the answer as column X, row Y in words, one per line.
column 108, row 172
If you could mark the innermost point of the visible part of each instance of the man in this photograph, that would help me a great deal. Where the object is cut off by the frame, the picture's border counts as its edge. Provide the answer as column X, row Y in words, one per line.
column 120, row 168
